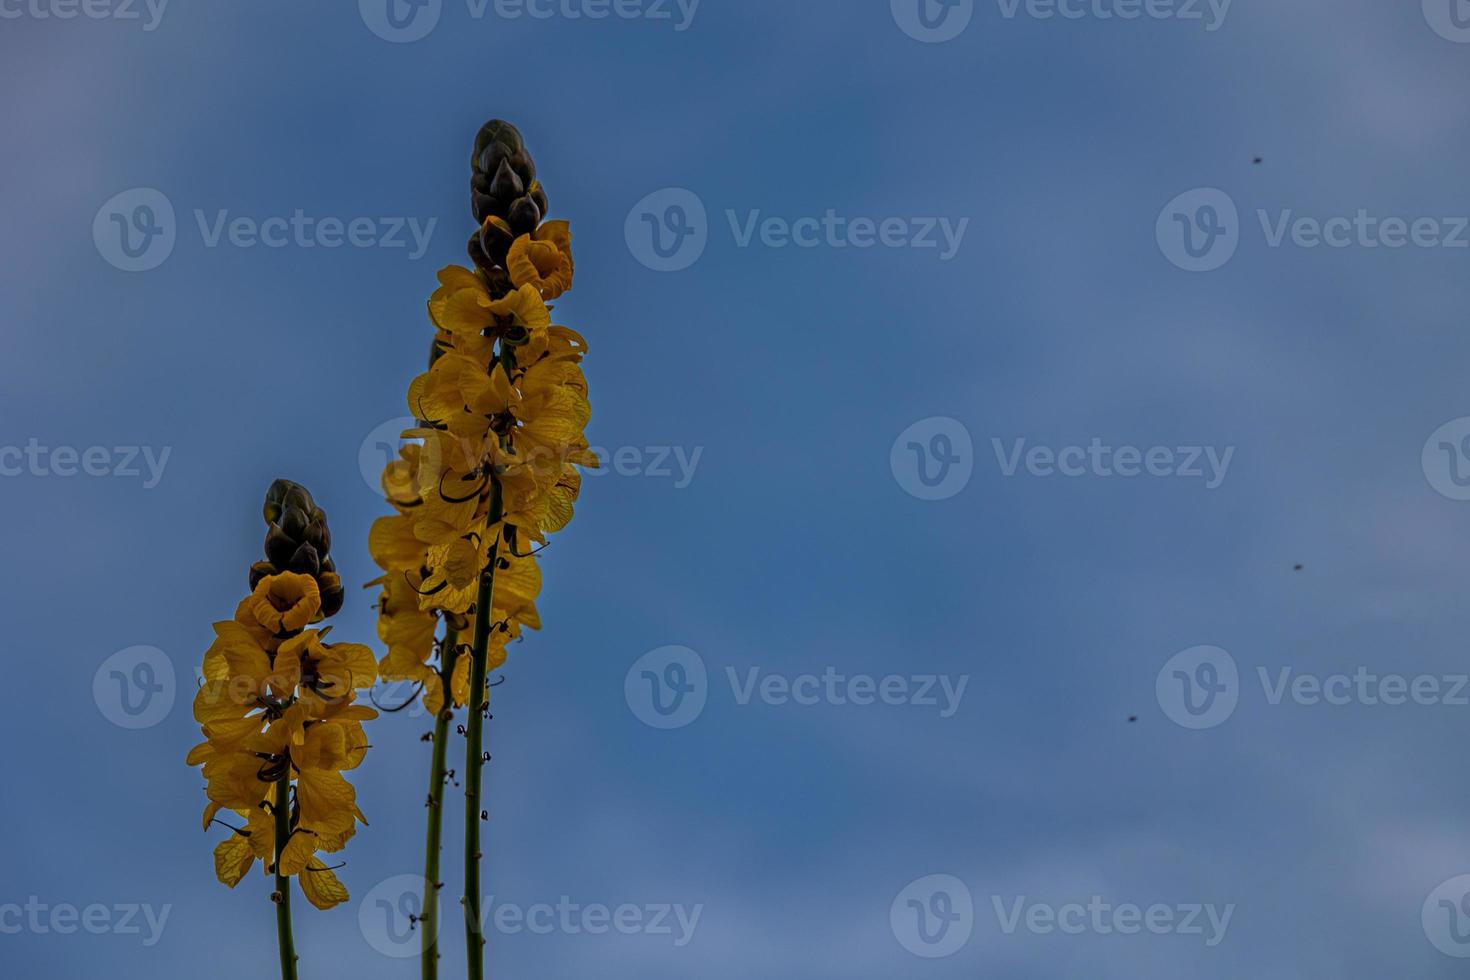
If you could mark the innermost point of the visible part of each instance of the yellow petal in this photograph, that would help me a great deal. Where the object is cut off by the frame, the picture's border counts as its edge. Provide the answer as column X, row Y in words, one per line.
column 232, row 859
column 321, row 887
column 297, row 852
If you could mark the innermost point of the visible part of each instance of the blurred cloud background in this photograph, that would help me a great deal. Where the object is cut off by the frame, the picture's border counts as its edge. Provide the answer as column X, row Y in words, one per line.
column 793, row 548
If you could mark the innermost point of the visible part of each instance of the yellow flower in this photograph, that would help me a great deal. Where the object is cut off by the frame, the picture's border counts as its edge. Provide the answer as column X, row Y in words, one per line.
column 328, row 671
column 463, row 308
column 543, row 259
column 285, row 602
column 408, row 632
column 400, row 478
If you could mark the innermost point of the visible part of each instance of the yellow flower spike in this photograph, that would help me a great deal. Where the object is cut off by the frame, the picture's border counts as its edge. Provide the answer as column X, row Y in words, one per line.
column 502, row 411
column 277, row 709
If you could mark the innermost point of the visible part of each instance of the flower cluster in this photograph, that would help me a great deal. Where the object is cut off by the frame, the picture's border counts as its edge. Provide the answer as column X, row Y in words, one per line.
column 492, row 466
column 277, row 711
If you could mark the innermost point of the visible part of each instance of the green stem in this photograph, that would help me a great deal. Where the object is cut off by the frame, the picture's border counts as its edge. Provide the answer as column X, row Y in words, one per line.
column 429, row 918
column 474, row 736
column 282, row 810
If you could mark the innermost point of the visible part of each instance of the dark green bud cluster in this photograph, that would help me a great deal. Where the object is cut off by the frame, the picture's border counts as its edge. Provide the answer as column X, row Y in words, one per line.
column 298, row 540
column 505, row 197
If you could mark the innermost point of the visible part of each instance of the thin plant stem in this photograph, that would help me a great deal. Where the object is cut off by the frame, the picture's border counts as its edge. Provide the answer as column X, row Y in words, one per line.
column 429, row 917
column 282, row 813
column 474, row 737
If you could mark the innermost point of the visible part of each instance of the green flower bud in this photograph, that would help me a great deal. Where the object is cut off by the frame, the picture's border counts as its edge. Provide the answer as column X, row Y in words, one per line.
column 298, row 497
column 258, row 571
column 319, row 536
column 294, row 522
column 305, row 561
column 524, row 216
column 496, row 131
column 279, row 546
column 333, row 595
column 507, row 185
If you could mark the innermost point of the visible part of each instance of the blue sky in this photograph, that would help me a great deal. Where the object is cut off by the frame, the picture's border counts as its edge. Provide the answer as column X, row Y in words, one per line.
column 769, row 515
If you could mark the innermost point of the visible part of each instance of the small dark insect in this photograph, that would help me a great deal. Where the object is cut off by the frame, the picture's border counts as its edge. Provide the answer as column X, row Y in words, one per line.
column 1298, row 567
column 1132, row 719
column 1258, row 160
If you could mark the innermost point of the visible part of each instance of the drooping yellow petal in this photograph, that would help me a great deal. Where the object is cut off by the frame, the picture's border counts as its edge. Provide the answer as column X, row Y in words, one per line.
column 298, row 851
column 232, row 859
column 321, row 887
